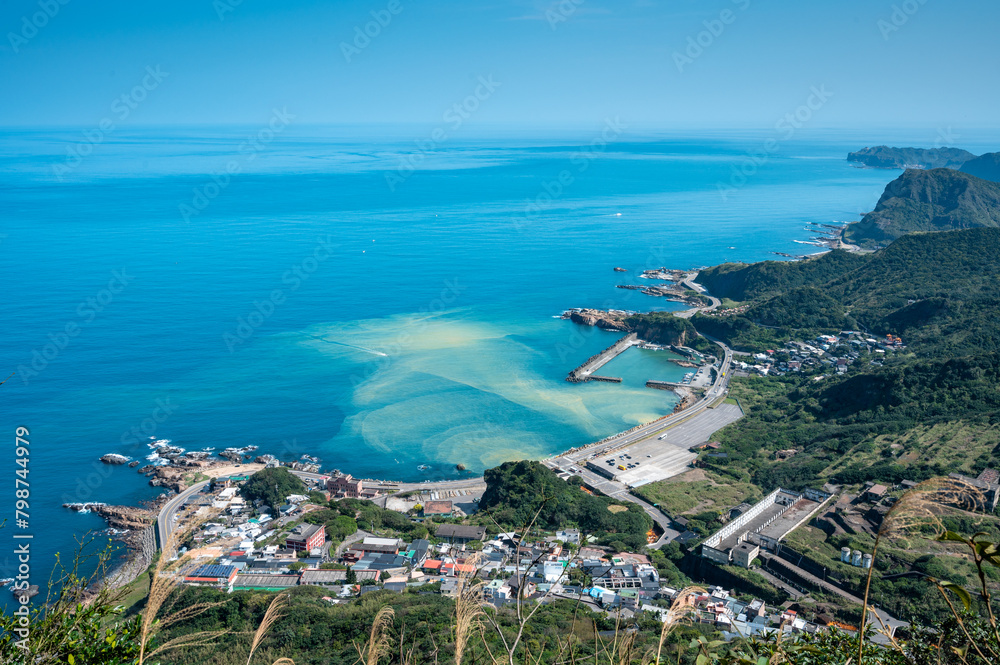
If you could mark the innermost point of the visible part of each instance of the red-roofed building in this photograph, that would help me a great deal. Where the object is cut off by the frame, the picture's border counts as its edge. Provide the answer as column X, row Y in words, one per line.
column 876, row 492
column 432, row 566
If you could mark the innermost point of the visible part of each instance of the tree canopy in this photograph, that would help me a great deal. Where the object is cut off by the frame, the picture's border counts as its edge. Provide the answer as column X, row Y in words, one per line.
column 272, row 486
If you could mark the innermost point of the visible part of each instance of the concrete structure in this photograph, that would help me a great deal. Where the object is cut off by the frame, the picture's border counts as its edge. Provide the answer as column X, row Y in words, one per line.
column 745, row 554
column 438, row 509
column 626, row 576
column 876, row 492
column 585, row 371
column 552, row 571
column 345, row 487
column 989, row 491
column 264, row 582
column 764, row 525
column 571, row 536
column 460, row 534
column 306, row 537
column 371, row 545
column 334, row 577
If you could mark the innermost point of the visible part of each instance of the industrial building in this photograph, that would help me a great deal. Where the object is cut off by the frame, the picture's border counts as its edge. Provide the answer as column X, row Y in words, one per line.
column 762, row 526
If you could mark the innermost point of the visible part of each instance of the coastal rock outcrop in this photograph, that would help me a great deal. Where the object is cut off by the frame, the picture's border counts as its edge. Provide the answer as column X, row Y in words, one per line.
column 655, row 327
column 606, row 320
column 115, row 458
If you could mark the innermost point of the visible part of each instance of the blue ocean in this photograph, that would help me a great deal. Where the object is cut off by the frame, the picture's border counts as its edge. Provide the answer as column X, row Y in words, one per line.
column 360, row 294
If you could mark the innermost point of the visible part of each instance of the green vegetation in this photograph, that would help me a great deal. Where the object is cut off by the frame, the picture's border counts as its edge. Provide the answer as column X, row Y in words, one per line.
column 748, row 281
column 700, row 497
column 884, row 424
column 938, row 291
column 345, row 516
column 985, row 166
column 662, row 328
column 935, row 200
column 272, row 486
column 338, row 526
column 313, row 632
column 515, row 490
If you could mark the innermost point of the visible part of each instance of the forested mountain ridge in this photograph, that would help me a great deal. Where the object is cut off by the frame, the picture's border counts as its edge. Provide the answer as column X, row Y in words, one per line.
column 941, row 291
column 934, row 200
column 746, row 281
column 985, row 166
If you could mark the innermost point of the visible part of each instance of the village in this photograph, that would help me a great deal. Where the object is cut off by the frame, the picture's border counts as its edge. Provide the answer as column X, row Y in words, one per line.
column 241, row 546
column 823, row 353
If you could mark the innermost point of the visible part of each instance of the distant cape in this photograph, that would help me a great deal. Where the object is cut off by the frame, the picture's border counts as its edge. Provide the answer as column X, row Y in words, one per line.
column 884, row 157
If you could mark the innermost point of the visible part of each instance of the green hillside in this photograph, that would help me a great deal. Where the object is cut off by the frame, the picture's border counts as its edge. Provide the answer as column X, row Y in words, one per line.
column 743, row 281
column 939, row 291
column 985, row 166
column 934, row 200
column 888, row 420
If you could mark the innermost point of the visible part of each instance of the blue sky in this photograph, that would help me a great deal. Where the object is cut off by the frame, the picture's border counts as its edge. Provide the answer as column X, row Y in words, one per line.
column 574, row 62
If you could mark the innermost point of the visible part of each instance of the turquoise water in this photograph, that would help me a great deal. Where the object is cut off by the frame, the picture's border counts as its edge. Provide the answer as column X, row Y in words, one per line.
column 308, row 307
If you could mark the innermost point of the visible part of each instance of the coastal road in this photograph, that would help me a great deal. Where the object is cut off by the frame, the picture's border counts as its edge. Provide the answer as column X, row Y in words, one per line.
column 689, row 282
column 165, row 520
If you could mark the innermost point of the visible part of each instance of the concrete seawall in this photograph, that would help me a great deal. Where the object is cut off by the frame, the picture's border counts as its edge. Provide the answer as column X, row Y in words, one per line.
column 585, row 371
column 669, row 385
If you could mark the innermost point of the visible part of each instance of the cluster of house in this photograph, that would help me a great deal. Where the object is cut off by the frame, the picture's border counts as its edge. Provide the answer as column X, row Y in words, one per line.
column 231, row 517
column 835, row 351
column 738, row 618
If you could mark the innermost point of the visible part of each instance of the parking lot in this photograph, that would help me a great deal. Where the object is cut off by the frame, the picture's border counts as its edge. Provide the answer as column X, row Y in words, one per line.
column 648, row 461
column 668, row 453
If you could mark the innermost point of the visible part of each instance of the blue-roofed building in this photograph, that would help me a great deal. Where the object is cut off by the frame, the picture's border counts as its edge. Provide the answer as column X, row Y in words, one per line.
column 221, row 577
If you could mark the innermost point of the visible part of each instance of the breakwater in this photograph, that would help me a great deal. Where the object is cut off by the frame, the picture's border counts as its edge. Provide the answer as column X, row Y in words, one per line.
column 666, row 385
column 585, row 371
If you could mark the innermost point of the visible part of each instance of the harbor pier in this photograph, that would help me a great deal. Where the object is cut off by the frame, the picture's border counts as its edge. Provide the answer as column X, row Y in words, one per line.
column 585, row 372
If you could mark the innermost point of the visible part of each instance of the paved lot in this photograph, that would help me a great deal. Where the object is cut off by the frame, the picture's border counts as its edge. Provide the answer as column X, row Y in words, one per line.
column 698, row 430
column 663, row 460
column 660, row 456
